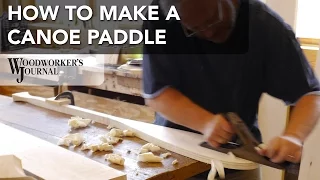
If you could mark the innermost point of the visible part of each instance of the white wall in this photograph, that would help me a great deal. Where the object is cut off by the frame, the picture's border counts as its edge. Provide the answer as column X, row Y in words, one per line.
column 308, row 14
column 310, row 165
column 287, row 10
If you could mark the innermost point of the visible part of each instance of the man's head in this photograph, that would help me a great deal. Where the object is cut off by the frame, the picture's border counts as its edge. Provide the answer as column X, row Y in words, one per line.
column 212, row 20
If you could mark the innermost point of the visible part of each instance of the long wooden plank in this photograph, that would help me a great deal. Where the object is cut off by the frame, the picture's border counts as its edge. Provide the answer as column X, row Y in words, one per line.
column 49, row 161
column 182, row 142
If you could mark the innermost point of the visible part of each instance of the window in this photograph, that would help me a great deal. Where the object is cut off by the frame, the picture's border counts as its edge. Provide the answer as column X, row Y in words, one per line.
column 308, row 24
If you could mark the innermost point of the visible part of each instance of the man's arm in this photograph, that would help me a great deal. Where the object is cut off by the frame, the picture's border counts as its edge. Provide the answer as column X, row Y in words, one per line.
column 289, row 77
column 161, row 81
column 179, row 109
column 304, row 117
column 160, row 84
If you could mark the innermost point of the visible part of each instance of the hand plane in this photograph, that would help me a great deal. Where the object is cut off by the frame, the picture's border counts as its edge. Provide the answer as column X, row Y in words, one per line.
column 246, row 149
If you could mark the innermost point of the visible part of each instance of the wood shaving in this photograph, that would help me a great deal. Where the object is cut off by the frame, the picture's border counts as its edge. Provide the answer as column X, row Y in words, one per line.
column 110, row 127
column 231, row 155
column 216, row 167
column 143, row 151
column 149, row 157
column 110, row 140
column 128, row 133
column 99, row 147
column 149, row 147
column 94, row 148
column 77, row 122
column 115, row 133
column 263, row 146
column 105, row 147
column 175, row 162
column 85, row 147
column 220, row 168
column 71, row 139
column 257, row 148
column 115, row 159
column 260, row 147
column 213, row 172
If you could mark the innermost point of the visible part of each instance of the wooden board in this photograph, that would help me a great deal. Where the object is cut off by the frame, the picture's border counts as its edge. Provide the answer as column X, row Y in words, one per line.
column 49, row 161
column 170, row 139
column 11, row 167
column 51, row 126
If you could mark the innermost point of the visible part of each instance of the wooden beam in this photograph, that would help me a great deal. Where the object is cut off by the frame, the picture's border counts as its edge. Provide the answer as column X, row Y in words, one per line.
column 309, row 41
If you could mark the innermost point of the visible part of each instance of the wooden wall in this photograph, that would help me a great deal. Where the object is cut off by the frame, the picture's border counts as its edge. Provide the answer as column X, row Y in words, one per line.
column 310, row 48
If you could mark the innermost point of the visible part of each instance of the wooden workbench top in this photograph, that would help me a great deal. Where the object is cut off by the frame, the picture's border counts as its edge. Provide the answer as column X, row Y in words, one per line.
column 51, row 126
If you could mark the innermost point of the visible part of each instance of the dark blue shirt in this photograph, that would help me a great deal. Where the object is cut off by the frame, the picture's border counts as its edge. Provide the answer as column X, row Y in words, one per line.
column 262, row 55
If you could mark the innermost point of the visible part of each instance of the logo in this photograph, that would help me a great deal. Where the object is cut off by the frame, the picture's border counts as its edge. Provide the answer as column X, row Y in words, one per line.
column 40, row 67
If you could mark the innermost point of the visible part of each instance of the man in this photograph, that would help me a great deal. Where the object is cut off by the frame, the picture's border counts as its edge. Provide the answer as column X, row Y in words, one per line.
column 220, row 57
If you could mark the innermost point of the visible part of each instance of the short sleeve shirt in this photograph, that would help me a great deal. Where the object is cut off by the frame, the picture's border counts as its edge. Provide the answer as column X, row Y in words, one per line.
column 262, row 55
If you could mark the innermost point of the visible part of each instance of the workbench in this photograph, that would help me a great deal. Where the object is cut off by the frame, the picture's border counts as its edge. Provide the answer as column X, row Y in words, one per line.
column 51, row 126
column 115, row 80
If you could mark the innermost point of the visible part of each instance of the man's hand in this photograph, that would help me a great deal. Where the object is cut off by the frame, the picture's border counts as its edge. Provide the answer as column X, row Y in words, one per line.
column 218, row 131
column 282, row 149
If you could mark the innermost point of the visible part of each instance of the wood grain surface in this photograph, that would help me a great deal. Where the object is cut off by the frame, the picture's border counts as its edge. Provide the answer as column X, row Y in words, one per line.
column 168, row 138
column 52, row 126
column 311, row 54
column 105, row 105
column 114, row 107
column 52, row 162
